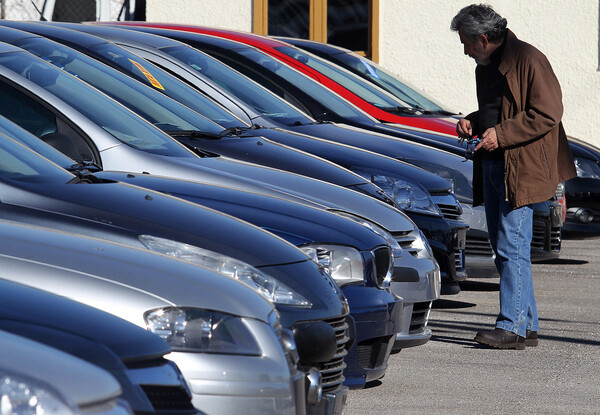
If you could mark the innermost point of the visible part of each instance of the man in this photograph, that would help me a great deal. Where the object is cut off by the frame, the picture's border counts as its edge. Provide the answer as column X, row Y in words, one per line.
column 522, row 156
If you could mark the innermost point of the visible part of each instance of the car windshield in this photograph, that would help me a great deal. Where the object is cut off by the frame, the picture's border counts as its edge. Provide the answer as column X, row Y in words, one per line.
column 97, row 107
column 151, row 105
column 22, row 136
column 351, row 82
column 19, row 163
column 328, row 98
column 387, row 81
column 247, row 91
column 155, row 77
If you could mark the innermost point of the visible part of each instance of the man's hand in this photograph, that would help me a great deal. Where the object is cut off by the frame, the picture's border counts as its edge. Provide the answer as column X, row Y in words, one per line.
column 489, row 140
column 464, row 129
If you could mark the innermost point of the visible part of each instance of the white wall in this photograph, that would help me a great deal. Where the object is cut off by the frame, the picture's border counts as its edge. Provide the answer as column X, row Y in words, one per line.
column 417, row 43
column 230, row 14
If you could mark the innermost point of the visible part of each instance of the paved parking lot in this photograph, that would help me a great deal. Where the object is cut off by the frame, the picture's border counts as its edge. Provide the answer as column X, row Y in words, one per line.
column 452, row 375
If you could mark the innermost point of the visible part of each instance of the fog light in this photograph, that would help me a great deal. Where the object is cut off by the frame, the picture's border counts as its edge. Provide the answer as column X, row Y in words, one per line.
column 583, row 215
column 314, row 386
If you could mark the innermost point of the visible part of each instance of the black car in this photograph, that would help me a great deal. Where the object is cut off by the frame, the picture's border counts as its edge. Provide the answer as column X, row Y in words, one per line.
column 134, row 356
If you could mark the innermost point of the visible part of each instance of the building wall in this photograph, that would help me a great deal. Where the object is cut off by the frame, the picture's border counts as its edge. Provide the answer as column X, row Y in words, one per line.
column 417, row 44
column 230, row 14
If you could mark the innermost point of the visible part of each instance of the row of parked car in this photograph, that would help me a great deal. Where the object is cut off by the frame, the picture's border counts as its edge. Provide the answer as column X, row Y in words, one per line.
column 278, row 224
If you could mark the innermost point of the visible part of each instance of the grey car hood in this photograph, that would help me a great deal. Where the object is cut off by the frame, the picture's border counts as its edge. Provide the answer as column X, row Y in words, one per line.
column 79, row 382
column 125, row 281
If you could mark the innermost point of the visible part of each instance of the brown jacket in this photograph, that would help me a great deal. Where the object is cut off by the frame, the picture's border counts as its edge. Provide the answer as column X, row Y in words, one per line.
column 536, row 152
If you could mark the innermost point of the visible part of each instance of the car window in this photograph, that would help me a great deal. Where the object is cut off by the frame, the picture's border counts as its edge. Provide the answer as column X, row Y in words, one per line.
column 309, row 86
column 240, row 86
column 32, row 116
column 348, row 80
column 22, row 136
column 19, row 163
column 151, row 105
column 387, row 80
column 149, row 74
column 97, row 107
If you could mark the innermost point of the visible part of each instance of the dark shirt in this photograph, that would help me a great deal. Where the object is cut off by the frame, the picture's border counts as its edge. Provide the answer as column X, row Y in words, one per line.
column 489, row 97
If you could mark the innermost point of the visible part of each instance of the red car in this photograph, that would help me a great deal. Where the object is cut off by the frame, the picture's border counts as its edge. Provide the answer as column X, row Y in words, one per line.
column 369, row 98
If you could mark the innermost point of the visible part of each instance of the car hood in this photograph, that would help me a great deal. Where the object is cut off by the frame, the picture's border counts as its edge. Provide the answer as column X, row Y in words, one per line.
column 23, row 305
column 146, row 212
column 67, row 374
column 580, row 148
column 120, row 279
column 254, row 148
column 442, row 163
column 297, row 223
column 355, row 158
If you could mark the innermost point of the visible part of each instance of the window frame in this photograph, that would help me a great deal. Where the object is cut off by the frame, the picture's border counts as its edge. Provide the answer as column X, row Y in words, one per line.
column 318, row 23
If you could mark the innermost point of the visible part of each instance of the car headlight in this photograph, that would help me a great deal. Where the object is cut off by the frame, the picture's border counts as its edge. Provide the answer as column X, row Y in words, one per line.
column 197, row 330
column 391, row 241
column 25, row 396
column 416, row 244
column 462, row 185
column 343, row 263
column 408, row 195
column 587, row 168
column 269, row 287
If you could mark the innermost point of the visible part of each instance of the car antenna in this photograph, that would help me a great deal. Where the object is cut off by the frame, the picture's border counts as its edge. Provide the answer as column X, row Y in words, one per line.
column 42, row 18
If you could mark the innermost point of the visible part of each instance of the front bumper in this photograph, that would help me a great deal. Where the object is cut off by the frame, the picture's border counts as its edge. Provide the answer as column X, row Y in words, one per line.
column 417, row 281
column 447, row 239
column 583, row 206
column 377, row 316
column 545, row 243
column 332, row 403
column 252, row 385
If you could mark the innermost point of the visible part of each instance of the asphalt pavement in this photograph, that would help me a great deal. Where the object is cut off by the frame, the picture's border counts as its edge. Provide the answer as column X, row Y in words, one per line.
column 451, row 374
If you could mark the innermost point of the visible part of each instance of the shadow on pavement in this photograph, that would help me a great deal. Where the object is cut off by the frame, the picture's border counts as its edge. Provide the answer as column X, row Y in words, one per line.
column 372, row 384
column 471, row 285
column 564, row 261
column 445, row 304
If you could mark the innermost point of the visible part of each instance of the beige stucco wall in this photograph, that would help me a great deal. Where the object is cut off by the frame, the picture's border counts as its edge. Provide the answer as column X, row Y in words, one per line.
column 230, row 14
column 416, row 43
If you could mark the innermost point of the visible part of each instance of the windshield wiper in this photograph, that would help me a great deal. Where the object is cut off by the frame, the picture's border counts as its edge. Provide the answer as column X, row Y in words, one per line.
column 83, row 172
column 193, row 134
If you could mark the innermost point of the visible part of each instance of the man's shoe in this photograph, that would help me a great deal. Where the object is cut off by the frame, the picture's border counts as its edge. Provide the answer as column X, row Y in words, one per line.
column 531, row 340
column 500, row 339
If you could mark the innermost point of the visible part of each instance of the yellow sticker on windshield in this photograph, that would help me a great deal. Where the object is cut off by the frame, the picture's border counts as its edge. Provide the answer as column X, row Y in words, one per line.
column 147, row 74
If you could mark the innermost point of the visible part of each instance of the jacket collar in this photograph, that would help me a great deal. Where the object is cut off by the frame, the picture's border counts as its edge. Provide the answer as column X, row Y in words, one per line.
column 508, row 55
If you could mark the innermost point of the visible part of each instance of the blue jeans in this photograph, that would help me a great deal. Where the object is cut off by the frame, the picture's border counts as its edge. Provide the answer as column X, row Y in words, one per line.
column 510, row 232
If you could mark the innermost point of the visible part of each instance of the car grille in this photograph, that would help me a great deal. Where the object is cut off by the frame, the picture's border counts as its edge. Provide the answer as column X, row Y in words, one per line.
column 451, row 212
column 332, row 371
column 372, row 353
column 450, row 207
column 383, row 262
column 477, row 245
column 168, row 398
column 419, row 317
column 540, row 236
column 405, row 240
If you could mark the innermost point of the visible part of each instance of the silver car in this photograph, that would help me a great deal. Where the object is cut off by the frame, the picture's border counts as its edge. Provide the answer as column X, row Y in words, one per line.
column 226, row 338
column 39, row 379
